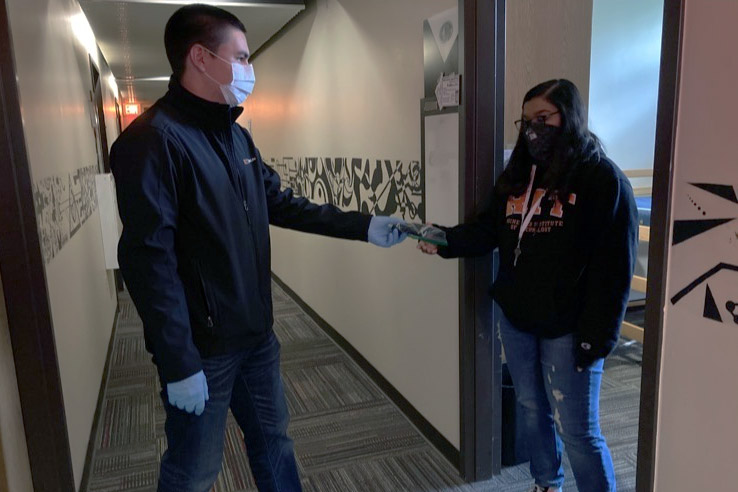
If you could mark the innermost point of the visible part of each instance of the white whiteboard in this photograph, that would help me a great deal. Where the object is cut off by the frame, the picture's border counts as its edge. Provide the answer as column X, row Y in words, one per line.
column 442, row 168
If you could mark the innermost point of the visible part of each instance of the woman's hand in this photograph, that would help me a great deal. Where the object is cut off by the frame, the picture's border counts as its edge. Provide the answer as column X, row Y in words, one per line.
column 427, row 248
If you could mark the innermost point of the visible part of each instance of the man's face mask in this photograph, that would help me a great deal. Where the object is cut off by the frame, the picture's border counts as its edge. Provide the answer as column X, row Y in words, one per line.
column 541, row 140
column 242, row 84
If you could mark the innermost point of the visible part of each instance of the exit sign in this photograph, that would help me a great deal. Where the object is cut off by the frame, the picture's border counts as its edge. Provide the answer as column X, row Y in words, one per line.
column 133, row 109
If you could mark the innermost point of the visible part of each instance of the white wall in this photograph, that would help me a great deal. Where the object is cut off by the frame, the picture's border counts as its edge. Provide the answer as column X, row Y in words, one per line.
column 544, row 41
column 624, row 83
column 346, row 81
column 698, row 396
column 51, row 48
column 15, row 471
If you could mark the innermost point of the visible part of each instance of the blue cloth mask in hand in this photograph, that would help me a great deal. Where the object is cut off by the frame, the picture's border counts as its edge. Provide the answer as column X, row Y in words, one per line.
column 381, row 232
column 189, row 394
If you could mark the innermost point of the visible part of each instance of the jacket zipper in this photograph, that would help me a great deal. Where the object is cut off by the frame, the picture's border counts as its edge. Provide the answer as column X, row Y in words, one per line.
column 256, row 259
column 245, row 204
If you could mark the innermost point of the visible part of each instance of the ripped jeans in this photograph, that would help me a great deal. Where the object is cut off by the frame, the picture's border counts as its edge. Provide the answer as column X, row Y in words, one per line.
column 559, row 404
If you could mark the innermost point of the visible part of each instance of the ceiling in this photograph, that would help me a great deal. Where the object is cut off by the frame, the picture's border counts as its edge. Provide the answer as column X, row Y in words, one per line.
column 130, row 34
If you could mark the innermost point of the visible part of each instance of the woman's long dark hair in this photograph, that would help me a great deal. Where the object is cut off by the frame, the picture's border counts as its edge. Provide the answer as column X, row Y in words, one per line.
column 575, row 145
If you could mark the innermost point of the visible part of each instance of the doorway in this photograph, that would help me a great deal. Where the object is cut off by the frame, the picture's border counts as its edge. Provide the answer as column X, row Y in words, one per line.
column 529, row 43
column 98, row 120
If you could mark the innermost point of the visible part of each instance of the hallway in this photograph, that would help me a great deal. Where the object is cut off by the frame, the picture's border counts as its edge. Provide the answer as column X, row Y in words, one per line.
column 389, row 112
column 348, row 435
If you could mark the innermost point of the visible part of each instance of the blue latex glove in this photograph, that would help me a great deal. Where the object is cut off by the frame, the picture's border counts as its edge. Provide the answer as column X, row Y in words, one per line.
column 189, row 394
column 381, row 232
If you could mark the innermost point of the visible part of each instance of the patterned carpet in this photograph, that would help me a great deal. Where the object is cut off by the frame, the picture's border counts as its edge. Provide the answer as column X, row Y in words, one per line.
column 348, row 435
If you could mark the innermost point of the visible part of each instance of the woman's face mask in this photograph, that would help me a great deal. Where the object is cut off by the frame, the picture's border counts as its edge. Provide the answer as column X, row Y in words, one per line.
column 541, row 140
column 540, row 127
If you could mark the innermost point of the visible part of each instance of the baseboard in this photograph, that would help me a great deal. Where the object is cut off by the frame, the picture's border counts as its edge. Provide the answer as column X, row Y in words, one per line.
column 421, row 423
column 87, row 470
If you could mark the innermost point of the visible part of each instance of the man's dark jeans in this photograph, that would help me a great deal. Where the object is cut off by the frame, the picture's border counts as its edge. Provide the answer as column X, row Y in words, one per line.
column 249, row 383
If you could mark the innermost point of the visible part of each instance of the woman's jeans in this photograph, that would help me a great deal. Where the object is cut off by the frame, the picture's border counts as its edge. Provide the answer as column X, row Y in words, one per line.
column 558, row 403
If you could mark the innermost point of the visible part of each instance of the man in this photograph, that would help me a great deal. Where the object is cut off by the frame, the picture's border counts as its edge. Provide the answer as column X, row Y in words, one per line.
column 196, row 201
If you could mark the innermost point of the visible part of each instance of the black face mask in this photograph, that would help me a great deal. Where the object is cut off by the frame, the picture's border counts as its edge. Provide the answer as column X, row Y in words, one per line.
column 541, row 140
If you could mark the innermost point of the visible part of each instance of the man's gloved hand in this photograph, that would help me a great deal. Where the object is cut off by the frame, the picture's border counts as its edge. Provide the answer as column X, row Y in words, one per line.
column 381, row 232
column 189, row 394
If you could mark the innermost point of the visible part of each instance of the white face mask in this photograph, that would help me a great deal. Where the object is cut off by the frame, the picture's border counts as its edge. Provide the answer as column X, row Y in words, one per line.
column 242, row 84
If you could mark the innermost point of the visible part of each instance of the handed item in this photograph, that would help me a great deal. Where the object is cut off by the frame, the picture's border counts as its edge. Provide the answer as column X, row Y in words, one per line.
column 423, row 232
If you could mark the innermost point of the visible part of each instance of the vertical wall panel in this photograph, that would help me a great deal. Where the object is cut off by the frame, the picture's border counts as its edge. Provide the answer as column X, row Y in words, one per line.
column 52, row 49
column 15, row 471
column 698, row 395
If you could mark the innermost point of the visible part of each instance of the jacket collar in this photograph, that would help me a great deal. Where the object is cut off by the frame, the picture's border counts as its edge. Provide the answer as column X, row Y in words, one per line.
column 202, row 111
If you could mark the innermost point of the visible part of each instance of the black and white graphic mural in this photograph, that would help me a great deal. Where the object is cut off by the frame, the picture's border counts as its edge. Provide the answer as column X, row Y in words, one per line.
column 707, row 231
column 63, row 205
column 372, row 186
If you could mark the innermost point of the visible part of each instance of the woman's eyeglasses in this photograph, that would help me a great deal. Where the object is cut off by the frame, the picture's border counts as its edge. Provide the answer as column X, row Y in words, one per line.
column 540, row 119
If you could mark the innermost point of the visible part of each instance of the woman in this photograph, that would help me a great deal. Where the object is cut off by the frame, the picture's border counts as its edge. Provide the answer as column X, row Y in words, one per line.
column 565, row 221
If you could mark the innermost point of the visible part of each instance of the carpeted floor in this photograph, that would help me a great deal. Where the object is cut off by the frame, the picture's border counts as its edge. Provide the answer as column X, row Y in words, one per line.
column 348, row 435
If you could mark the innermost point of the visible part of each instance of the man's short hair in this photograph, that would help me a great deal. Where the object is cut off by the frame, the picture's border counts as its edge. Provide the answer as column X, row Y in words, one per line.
column 196, row 24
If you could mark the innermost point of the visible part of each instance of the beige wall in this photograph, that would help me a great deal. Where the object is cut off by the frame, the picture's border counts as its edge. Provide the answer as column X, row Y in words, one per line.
column 544, row 40
column 51, row 54
column 346, row 81
column 625, row 62
column 15, row 472
column 698, row 395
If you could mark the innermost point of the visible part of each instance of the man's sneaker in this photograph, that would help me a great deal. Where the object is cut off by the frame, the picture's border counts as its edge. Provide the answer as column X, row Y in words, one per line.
column 538, row 488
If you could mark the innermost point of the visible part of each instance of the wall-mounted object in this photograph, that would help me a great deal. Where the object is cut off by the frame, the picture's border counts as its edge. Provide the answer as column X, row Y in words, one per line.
column 133, row 108
column 439, row 137
column 440, row 48
column 108, row 207
column 448, row 91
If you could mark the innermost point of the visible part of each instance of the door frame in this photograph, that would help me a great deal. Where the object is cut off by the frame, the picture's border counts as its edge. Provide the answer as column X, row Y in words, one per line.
column 26, row 295
column 481, row 141
column 98, row 109
column 663, row 169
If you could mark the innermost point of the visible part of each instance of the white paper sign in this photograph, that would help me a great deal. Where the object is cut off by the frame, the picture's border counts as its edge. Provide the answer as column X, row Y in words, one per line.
column 448, row 90
column 108, row 207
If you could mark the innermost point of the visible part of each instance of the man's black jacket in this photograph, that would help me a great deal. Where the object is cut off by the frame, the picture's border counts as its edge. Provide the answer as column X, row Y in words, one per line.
column 196, row 201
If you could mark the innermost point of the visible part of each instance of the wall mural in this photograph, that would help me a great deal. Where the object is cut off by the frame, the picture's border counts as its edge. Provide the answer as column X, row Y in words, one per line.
column 378, row 187
column 63, row 205
column 717, row 205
